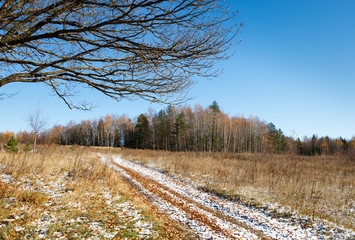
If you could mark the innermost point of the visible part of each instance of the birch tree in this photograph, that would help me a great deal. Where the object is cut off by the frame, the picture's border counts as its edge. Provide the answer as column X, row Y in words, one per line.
column 37, row 124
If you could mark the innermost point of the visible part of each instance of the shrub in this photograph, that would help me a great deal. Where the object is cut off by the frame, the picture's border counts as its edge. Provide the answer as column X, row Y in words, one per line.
column 11, row 145
column 33, row 197
column 27, row 148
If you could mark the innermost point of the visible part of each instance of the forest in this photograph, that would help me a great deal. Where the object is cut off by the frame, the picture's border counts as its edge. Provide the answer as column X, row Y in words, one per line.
column 182, row 128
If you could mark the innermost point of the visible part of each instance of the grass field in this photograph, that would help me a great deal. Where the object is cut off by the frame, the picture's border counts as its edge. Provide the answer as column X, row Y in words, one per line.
column 63, row 192
column 319, row 187
column 68, row 192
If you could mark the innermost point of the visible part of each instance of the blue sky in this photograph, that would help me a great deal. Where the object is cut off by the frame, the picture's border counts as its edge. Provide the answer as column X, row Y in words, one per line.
column 295, row 67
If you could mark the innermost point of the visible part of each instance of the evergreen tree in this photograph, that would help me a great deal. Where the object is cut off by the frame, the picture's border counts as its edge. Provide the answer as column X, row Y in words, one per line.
column 129, row 139
column 215, row 107
column 214, row 139
column 170, row 124
column 11, row 145
column 314, row 145
column 27, row 148
column 161, row 131
column 278, row 140
column 142, row 133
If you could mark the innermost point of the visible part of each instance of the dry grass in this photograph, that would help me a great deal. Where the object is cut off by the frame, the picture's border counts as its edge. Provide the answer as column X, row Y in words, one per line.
column 321, row 186
column 74, row 194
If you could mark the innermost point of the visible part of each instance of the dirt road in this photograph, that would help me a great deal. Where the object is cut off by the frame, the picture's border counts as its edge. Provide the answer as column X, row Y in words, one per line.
column 208, row 216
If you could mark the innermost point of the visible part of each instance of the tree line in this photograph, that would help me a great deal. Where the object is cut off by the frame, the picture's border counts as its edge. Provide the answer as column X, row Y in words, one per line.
column 185, row 129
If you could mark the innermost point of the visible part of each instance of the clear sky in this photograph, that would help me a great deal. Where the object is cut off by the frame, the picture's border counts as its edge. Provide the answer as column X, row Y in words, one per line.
column 295, row 67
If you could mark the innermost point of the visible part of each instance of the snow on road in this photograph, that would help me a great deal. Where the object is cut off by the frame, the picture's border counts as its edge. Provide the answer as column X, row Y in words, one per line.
column 208, row 216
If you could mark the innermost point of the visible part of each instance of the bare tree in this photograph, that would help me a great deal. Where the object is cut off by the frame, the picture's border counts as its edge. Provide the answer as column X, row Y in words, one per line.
column 149, row 49
column 37, row 123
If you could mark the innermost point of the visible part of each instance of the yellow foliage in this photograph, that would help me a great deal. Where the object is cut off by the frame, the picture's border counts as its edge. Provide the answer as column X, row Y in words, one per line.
column 324, row 147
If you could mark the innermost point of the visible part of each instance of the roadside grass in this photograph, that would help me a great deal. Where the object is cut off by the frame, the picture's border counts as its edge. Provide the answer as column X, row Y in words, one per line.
column 318, row 187
column 64, row 192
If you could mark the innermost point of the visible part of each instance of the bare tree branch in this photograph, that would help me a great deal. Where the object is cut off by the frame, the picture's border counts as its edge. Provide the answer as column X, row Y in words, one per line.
column 37, row 123
column 149, row 49
column 7, row 95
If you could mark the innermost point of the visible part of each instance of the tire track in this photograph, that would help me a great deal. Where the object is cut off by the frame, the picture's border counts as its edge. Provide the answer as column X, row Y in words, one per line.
column 206, row 215
column 201, row 226
column 167, row 194
column 224, row 227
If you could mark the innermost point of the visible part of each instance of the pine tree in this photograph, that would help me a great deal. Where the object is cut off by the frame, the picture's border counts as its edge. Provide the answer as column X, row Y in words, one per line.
column 215, row 107
column 11, row 145
column 278, row 140
column 27, row 148
column 161, row 131
column 142, row 133
column 215, row 111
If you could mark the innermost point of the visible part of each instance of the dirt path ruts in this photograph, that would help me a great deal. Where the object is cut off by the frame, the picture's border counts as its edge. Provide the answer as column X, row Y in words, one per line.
column 194, row 209
column 179, row 201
